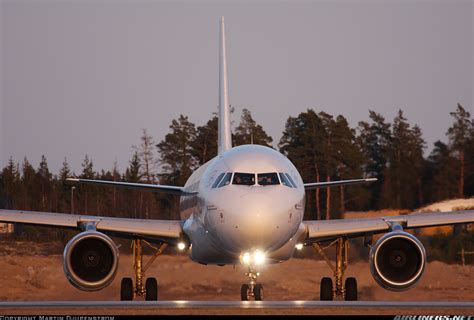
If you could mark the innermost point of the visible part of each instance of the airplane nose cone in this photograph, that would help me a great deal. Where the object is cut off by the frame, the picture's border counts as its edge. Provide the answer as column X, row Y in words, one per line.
column 257, row 221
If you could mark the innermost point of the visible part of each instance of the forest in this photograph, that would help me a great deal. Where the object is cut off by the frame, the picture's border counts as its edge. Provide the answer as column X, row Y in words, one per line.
column 322, row 146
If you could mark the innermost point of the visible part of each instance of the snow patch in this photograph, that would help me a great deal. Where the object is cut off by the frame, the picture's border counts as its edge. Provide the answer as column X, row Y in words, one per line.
column 449, row 205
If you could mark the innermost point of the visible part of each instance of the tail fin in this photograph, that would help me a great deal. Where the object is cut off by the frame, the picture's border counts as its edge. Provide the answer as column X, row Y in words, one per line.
column 224, row 142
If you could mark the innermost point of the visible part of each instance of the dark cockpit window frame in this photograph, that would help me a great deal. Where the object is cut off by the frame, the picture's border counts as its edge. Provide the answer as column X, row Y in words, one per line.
column 267, row 179
column 244, row 179
column 291, row 180
column 219, row 178
column 284, row 180
column 225, row 180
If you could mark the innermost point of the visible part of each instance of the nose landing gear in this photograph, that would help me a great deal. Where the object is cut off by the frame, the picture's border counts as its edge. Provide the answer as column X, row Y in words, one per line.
column 252, row 289
column 346, row 290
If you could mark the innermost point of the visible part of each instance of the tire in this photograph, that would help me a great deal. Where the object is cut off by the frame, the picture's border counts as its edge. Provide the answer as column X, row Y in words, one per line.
column 326, row 289
column 258, row 292
column 151, row 289
column 244, row 292
column 126, row 289
column 351, row 289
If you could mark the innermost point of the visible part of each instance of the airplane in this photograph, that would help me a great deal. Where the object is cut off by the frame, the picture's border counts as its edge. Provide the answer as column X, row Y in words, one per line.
column 245, row 206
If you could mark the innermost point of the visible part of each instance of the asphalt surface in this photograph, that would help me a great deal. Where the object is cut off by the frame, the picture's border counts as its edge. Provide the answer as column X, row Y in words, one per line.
column 236, row 308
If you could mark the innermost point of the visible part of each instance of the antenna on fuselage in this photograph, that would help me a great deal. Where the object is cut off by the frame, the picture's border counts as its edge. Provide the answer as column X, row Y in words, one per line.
column 224, row 141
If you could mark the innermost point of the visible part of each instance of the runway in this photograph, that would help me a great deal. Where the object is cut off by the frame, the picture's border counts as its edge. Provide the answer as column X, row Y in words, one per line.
column 111, row 308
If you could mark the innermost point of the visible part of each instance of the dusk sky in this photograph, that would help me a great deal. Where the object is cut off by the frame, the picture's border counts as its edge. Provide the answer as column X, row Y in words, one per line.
column 84, row 77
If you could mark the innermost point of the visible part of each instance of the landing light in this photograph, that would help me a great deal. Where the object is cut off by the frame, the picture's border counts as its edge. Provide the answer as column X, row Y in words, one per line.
column 181, row 246
column 246, row 258
column 256, row 258
column 299, row 246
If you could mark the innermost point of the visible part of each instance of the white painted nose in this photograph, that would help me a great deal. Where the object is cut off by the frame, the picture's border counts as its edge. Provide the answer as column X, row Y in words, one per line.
column 257, row 221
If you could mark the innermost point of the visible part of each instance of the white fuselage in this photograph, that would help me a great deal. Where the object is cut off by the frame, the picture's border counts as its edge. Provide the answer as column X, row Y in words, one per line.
column 224, row 221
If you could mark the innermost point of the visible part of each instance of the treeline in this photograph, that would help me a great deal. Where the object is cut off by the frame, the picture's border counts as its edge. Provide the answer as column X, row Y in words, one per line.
column 323, row 147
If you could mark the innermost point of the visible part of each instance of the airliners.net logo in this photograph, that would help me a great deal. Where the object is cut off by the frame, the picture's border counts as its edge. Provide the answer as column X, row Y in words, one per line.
column 433, row 318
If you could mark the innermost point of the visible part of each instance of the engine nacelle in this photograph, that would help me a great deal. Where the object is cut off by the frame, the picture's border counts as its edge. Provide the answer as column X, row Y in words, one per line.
column 397, row 260
column 90, row 260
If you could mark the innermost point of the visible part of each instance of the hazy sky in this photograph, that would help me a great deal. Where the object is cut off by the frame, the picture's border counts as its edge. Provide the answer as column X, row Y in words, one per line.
column 84, row 77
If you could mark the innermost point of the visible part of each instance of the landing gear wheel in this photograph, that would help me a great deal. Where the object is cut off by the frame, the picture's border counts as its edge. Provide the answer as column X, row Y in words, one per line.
column 151, row 289
column 326, row 289
column 258, row 292
column 244, row 292
column 126, row 289
column 351, row 289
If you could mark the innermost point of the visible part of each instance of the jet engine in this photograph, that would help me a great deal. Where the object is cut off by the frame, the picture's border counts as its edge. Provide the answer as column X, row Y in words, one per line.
column 90, row 260
column 397, row 260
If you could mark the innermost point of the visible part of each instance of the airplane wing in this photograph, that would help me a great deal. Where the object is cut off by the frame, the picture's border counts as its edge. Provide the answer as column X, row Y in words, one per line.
column 315, row 185
column 180, row 191
column 164, row 230
column 317, row 230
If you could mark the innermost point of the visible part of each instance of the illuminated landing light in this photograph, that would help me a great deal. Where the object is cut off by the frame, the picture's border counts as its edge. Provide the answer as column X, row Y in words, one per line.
column 181, row 246
column 258, row 257
column 299, row 246
column 246, row 258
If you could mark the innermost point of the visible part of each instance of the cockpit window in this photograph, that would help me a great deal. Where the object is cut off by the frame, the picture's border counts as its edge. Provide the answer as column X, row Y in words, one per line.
column 284, row 180
column 226, row 180
column 266, row 179
column 247, row 179
column 216, row 183
column 291, row 180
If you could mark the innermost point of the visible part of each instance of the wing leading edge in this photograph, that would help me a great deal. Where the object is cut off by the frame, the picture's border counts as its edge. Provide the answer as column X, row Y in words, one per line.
column 328, row 229
column 326, row 184
column 165, row 230
column 180, row 191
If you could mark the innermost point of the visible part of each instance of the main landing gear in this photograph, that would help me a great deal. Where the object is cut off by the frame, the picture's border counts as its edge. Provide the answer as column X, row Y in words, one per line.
column 149, row 290
column 252, row 289
column 346, row 290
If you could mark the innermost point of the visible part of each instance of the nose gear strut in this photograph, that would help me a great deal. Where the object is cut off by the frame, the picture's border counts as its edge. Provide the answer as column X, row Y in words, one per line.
column 252, row 289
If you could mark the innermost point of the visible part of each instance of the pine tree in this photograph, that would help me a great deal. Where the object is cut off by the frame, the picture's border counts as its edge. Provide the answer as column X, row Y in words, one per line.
column 417, row 163
column 176, row 154
column 469, row 163
column 65, row 171
column 406, row 164
column 375, row 140
column 87, row 168
column 29, row 194
column 65, row 188
column 134, row 172
column 146, row 151
column 400, row 136
column 328, row 150
column 84, row 190
column 348, row 160
column 115, row 195
column 458, row 135
column 44, row 177
column 303, row 142
column 440, row 168
column 249, row 132
column 204, row 146
column 10, row 185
